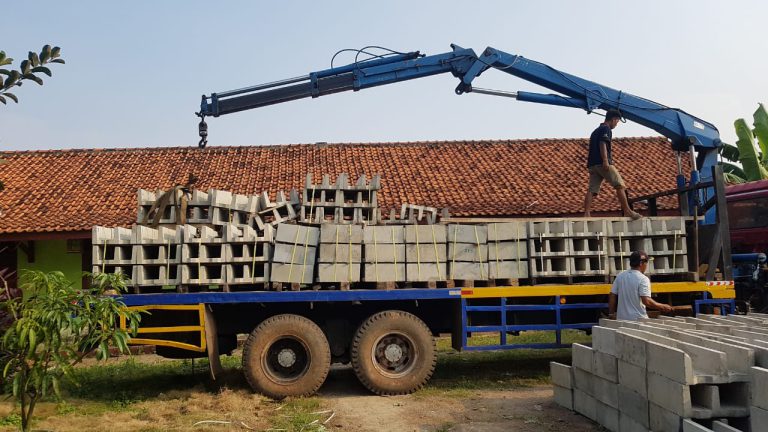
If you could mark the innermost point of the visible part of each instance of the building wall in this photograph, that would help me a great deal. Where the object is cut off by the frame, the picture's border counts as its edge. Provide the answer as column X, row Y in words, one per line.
column 52, row 255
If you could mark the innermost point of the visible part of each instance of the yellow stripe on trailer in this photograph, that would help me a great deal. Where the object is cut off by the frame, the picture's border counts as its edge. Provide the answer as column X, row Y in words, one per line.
column 716, row 290
column 200, row 308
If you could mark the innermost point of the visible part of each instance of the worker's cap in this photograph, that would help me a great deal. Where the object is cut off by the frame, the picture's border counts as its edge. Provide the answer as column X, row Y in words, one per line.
column 637, row 257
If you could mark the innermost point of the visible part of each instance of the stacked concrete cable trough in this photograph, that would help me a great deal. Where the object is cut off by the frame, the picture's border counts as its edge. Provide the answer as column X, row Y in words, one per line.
column 341, row 252
column 336, row 239
column 671, row 374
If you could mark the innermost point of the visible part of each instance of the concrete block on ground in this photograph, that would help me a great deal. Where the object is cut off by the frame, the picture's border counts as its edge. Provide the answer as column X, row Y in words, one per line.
column 663, row 420
column 508, row 251
column 628, row 424
column 468, row 270
column 605, row 391
column 563, row 396
column 473, row 234
column 582, row 357
column 338, row 272
column 607, row 416
column 758, row 418
column 562, row 375
column 292, row 273
column 733, row 400
column 718, row 426
column 584, row 404
column 421, row 234
column 384, row 272
column 505, row 231
column 710, row 366
column 385, row 253
column 583, row 381
column 604, row 340
column 692, row 426
column 669, row 362
column 671, row 395
column 334, row 233
column 633, row 405
column 632, row 349
column 605, row 366
column 759, row 385
column 425, row 272
column 375, row 235
column 508, row 269
column 633, row 377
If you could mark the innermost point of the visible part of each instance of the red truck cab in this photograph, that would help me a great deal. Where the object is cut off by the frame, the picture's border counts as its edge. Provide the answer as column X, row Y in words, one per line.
column 748, row 216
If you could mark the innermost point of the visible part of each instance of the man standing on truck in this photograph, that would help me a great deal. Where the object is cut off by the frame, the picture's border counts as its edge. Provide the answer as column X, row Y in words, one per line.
column 600, row 165
column 632, row 291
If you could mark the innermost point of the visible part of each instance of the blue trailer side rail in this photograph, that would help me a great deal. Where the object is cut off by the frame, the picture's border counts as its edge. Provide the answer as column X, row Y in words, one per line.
column 552, row 300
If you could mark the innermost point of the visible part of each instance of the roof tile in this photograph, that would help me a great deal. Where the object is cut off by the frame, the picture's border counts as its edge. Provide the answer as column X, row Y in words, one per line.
column 72, row 190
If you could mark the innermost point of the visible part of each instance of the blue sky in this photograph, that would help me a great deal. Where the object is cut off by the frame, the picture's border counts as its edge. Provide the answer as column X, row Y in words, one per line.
column 135, row 70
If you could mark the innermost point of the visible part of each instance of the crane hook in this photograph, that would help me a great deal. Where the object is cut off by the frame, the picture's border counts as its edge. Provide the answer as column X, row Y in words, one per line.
column 203, row 130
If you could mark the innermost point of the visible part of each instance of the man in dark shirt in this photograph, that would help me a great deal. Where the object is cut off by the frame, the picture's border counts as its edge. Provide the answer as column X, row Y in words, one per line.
column 600, row 165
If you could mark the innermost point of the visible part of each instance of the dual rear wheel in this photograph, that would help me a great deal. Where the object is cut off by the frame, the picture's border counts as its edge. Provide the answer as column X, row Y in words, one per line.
column 392, row 352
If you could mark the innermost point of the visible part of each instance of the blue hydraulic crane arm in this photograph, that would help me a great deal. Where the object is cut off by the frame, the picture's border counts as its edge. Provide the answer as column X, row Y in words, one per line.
column 356, row 76
column 687, row 133
column 680, row 127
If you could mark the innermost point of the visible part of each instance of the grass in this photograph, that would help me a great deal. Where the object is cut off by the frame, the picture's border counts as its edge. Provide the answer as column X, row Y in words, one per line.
column 459, row 374
column 146, row 393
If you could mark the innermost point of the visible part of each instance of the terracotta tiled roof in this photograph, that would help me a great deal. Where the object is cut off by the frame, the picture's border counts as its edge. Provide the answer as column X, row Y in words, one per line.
column 72, row 190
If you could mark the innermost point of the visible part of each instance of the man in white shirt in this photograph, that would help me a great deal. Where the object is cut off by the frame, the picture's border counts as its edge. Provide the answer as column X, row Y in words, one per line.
column 631, row 291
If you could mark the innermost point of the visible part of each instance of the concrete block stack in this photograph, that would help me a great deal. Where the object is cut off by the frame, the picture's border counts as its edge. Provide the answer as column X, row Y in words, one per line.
column 625, row 236
column 341, row 202
column 662, row 237
column 425, row 253
column 468, row 252
column 248, row 255
column 295, row 251
column 204, row 257
column 548, row 242
column 384, row 258
column 508, row 250
column 112, row 251
column 146, row 200
column 156, row 257
column 706, row 373
column 284, row 209
column 341, row 252
column 667, row 245
column 587, row 247
column 412, row 213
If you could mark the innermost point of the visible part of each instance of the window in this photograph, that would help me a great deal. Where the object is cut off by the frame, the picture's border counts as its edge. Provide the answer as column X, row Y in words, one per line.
column 746, row 214
column 73, row 246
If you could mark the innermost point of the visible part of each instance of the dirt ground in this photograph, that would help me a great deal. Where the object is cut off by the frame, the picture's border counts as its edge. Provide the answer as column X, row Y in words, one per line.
column 524, row 410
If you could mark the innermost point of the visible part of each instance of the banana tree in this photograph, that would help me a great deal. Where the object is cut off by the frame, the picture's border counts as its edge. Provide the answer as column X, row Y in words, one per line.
column 743, row 162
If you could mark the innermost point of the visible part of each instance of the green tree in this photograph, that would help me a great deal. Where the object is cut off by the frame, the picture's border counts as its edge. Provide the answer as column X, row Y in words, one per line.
column 54, row 326
column 745, row 162
column 29, row 70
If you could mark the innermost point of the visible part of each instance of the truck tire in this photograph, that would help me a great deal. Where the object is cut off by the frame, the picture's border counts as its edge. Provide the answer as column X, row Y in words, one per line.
column 286, row 355
column 393, row 353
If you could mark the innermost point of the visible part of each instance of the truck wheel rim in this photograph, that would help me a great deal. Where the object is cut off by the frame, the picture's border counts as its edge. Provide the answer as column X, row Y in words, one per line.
column 394, row 354
column 287, row 359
